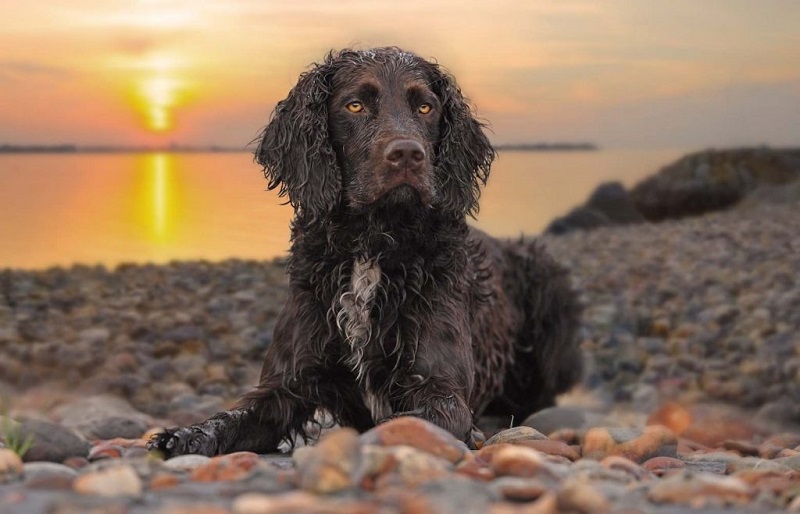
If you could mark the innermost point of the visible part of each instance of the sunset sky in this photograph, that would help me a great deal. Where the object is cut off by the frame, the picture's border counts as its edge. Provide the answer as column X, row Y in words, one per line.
column 623, row 74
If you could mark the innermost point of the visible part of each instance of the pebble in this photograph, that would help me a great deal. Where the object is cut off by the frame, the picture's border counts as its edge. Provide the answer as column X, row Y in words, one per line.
column 691, row 327
column 52, row 442
column 234, row 466
column 186, row 462
column 10, row 465
column 636, row 445
column 331, row 465
column 48, row 475
column 515, row 435
column 120, row 480
column 698, row 489
column 417, row 433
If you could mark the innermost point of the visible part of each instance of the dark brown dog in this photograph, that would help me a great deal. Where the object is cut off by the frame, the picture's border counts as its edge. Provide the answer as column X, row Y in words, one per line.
column 396, row 307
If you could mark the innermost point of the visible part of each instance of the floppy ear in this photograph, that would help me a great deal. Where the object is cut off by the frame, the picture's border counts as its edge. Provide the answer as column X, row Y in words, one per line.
column 464, row 154
column 295, row 149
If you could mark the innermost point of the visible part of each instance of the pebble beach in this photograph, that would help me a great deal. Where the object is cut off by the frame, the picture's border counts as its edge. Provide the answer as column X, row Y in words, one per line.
column 690, row 401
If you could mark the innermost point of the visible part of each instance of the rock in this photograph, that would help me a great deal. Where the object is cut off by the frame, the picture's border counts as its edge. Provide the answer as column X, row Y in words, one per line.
column 662, row 465
column 105, row 451
column 104, row 417
column 454, row 494
column 120, row 480
column 580, row 218
column 161, row 481
column 299, row 501
column 52, row 442
column 792, row 462
column 398, row 466
column 519, row 489
column 710, row 180
column 48, row 475
column 10, row 466
column 516, row 434
column 552, row 419
column 672, row 416
column 186, row 462
column 758, row 463
column 697, row 489
column 770, row 448
column 715, row 462
column 555, row 448
column 712, row 425
column 625, row 465
column 519, row 461
column 580, row 496
column 233, row 466
column 417, row 433
column 331, row 465
column 609, row 204
column 633, row 444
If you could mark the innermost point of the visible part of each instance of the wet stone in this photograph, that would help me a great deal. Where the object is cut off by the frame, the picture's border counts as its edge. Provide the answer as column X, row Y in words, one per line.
column 233, row 466
column 52, row 442
column 519, row 461
column 329, row 466
column 662, row 465
column 519, row 489
column 636, row 445
column 689, row 488
column 399, row 466
column 548, row 420
column 516, row 434
column 555, row 448
column 10, row 466
column 120, row 480
column 185, row 462
column 581, row 496
column 48, row 475
column 420, row 434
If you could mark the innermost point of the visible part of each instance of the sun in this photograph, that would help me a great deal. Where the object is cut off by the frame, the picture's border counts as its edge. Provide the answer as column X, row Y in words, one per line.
column 155, row 88
column 160, row 94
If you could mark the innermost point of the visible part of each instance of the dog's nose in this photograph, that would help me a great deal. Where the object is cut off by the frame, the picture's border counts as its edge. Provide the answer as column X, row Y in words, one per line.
column 405, row 154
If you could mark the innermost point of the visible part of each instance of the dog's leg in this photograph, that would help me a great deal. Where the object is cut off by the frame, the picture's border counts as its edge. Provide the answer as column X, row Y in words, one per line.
column 290, row 390
column 438, row 386
column 261, row 420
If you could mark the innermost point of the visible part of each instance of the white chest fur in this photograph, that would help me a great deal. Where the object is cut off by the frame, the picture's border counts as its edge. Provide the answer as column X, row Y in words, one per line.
column 355, row 322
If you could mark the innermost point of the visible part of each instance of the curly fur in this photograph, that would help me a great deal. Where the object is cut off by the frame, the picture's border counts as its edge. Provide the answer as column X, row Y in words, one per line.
column 396, row 307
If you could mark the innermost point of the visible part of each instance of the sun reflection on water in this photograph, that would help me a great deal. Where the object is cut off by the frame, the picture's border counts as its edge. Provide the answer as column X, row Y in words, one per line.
column 160, row 194
column 157, row 198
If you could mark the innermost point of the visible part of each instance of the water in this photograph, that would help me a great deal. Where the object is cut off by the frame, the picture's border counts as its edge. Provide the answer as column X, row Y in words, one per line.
column 61, row 209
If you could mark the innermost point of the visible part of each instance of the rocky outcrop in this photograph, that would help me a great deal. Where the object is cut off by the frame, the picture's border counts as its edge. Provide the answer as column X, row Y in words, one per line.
column 712, row 180
column 609, row 204
column 697, row 183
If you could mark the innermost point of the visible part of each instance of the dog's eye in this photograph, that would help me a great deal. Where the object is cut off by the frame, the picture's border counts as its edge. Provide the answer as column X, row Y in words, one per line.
column 425, row 108
column 355, row 107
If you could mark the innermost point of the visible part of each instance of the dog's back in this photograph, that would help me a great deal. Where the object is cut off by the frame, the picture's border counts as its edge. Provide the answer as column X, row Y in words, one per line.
column 535, row 306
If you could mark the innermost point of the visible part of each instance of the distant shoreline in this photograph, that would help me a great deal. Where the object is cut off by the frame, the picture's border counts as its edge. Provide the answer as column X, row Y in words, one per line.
column 548, row 147
column 70, row 148
column 17, row 149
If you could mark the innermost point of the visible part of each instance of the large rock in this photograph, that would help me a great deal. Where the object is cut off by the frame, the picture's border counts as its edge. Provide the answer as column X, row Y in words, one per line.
column 52, row 442
column 712, row 180
column 609, row 204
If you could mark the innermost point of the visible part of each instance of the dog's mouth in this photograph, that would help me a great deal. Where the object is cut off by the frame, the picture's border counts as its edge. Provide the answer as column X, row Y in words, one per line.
column 403, row 194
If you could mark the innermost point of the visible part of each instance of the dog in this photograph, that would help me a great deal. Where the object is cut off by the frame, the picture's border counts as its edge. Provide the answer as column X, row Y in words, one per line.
column 396, row 306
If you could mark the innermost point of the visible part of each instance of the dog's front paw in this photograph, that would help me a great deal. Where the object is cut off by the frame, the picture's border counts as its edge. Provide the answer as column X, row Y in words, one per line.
column 182, row 440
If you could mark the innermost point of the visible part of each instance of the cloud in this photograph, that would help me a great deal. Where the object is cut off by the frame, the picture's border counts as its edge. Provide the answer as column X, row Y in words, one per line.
column 20, row 70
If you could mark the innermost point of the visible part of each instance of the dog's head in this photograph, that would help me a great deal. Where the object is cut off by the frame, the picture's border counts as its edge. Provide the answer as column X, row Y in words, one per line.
column 368, row 127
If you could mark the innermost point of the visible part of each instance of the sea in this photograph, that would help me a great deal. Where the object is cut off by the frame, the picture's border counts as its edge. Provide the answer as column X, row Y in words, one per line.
column 62, row 209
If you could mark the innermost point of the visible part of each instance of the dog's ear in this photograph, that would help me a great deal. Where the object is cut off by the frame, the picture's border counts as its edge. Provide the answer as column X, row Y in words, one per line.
column 464, row 154
column 295, row 148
